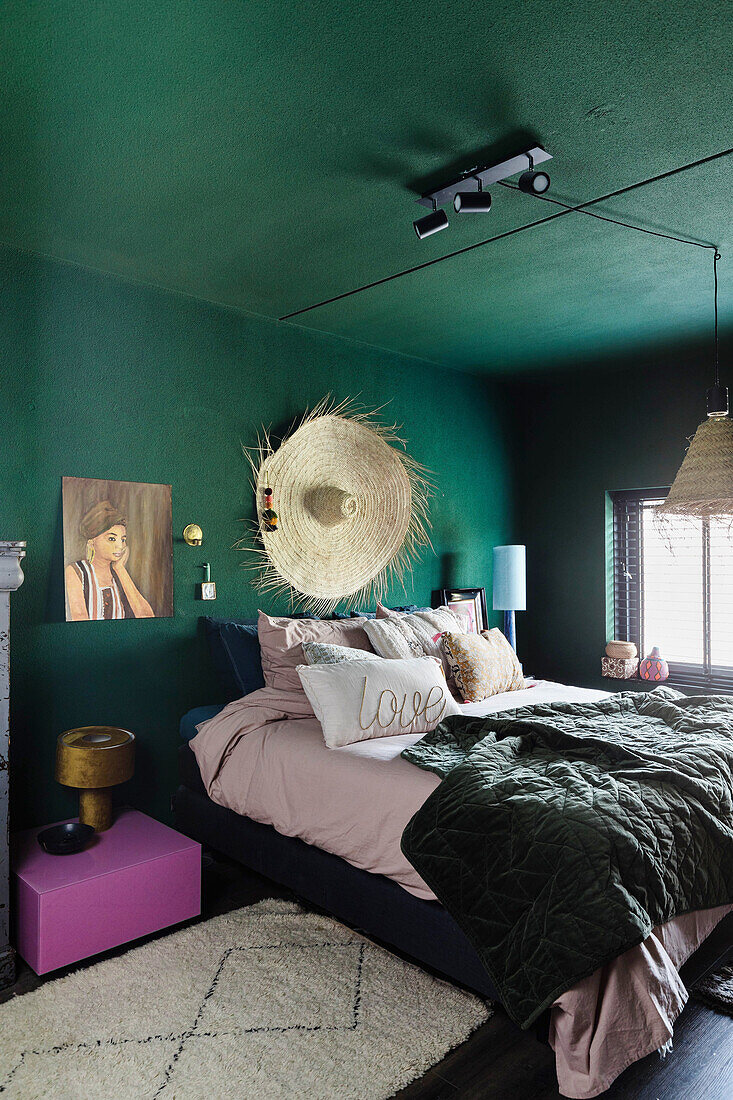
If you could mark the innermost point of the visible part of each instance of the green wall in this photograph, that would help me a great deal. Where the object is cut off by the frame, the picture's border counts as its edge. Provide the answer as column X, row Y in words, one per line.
column 106, row 379
column 601, row 426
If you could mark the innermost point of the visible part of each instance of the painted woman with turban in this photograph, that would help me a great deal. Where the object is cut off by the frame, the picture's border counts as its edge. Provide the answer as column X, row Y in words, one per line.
column 99, row 586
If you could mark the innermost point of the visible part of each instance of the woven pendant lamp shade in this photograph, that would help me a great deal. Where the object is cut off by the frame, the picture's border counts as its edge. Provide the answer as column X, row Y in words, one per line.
column 703, row 487
column 351, row 508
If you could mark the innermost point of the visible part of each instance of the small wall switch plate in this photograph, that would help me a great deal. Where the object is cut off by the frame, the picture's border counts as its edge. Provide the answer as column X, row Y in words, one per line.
column 208, row 590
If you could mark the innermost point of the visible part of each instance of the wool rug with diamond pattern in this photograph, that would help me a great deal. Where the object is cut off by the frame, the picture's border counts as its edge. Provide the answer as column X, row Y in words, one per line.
column 269, row 1001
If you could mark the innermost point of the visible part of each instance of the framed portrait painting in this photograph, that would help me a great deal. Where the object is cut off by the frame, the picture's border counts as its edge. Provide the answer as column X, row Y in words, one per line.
column 118, row 549
column 469, row 604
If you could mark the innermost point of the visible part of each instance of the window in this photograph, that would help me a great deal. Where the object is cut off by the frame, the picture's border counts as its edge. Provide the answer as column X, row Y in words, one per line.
column 673, row 587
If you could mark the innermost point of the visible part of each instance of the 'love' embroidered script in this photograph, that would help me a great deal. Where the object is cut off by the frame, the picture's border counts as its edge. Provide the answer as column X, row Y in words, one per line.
column 390, row 711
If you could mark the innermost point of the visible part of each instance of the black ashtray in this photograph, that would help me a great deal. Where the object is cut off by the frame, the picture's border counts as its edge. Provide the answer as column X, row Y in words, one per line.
column 64, row 840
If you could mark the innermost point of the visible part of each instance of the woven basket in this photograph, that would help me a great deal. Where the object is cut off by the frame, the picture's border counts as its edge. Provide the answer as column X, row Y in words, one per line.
column 624, row 651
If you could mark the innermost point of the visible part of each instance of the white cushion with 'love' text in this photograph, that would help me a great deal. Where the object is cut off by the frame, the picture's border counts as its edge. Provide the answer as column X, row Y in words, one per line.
column 358, row 700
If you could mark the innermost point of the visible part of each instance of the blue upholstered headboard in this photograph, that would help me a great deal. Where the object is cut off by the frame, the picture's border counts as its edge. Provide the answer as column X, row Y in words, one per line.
column 235, row 653
column 193, row 718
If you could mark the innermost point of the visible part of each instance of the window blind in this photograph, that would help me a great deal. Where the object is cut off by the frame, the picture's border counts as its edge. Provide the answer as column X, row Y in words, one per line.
column 673, row 587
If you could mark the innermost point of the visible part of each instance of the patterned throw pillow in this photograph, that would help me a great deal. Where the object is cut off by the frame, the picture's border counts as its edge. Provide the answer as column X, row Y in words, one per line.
column 321, row 653
column 407, row 636
column 482, row 664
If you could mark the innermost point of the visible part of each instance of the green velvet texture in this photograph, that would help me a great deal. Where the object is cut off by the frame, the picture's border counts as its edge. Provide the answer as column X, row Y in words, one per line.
column 102, row 378
column 268, row 155
column 562, row 833
column 578, row 434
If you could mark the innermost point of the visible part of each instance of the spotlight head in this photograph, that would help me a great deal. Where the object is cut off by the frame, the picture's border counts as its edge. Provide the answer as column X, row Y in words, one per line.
column 472, row 202
column 534, row 183
column 431, row 223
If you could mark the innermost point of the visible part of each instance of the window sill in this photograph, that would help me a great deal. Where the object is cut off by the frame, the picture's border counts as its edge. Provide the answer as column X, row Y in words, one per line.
column 680, row 683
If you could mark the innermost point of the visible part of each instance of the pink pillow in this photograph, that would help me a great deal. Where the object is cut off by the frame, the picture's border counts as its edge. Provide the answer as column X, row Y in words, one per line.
column 281, row 644
column 387, row 613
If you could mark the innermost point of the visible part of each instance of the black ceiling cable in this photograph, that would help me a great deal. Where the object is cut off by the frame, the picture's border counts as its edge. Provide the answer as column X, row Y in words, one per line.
column 650, row 233
column 614, row 221
column 579, row 209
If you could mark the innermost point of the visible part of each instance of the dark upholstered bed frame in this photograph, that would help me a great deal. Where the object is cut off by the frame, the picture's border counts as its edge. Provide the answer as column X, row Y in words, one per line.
column 370, row 903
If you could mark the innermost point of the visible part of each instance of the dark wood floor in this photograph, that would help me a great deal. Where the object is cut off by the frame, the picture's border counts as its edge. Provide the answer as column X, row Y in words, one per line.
column 500, row 1062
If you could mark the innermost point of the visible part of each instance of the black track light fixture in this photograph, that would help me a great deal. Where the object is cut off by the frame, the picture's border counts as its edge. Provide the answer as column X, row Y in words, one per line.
column 531, row 182
column 469, row 192
column 431, row 223
column 472, row 202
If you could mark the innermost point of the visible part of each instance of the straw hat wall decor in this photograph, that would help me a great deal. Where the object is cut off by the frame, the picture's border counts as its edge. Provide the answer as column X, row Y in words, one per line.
column 342, row 510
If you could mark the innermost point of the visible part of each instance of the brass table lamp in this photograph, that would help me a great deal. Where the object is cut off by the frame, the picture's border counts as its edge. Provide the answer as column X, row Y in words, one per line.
column 95, row 759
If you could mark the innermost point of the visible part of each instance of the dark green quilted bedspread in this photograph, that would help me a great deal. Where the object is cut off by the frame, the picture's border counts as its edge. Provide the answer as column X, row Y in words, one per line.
column 563, row 833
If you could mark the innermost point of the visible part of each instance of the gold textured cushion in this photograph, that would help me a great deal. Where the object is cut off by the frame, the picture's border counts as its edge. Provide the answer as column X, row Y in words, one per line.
column 482, row 664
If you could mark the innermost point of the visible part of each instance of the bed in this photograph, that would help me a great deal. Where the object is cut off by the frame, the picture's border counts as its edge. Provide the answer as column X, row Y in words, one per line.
column 327, row 824
column 371, row 903
column 274, row 830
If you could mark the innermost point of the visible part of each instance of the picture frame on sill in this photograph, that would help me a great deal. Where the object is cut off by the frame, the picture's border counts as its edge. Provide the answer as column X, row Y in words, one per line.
column 469, row 604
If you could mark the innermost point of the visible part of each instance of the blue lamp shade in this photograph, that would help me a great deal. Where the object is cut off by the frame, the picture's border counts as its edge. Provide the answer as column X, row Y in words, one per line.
column 510, row 578
column 510, row 585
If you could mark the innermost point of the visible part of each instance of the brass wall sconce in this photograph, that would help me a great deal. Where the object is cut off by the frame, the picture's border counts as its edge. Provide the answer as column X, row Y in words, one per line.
column 193, row 535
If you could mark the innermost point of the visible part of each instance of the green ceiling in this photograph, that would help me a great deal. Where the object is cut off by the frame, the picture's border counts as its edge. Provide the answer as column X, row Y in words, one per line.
column 261, row 154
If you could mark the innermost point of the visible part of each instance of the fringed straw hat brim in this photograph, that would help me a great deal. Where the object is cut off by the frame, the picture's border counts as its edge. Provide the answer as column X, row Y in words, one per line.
column 352, row 509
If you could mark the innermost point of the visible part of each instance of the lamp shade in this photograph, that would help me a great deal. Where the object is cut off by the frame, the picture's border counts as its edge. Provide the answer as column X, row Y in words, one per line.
column 510, row 578
column 703, row 487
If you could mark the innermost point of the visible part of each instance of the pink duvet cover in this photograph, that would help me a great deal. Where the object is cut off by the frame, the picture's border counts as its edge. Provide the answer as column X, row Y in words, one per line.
column 264, row 756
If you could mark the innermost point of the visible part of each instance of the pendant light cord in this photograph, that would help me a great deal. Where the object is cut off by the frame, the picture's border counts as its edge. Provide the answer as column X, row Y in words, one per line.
column 614, row 221
column 651, row 233
column 716, row 257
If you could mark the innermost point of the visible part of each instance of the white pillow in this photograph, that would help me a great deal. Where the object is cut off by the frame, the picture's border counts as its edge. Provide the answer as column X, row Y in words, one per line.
column 323, row 653
column 412, row 635
column 358, row 700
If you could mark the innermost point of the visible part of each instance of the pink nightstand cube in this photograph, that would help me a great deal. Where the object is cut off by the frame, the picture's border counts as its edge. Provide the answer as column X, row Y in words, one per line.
column 135, row 878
